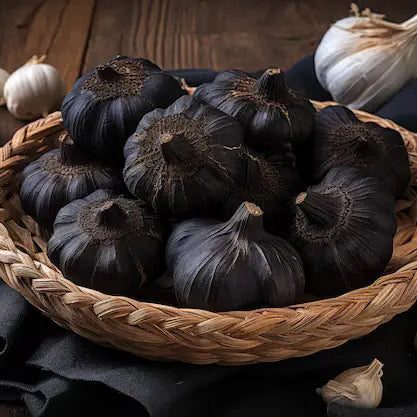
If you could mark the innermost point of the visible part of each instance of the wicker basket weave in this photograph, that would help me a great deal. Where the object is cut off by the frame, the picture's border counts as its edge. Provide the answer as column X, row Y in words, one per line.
column 196, row 336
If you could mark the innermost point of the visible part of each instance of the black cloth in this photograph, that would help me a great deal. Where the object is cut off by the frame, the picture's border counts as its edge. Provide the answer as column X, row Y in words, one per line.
column 57, row 373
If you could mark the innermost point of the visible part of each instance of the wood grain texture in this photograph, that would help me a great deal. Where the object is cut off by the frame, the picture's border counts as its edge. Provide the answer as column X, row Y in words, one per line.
column 57, row 28
column 80, row 34
column 219, row 34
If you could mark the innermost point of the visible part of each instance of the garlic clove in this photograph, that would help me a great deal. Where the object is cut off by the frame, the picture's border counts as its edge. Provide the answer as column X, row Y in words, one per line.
column 357, row 387
column 4, row 75
column 34, row 90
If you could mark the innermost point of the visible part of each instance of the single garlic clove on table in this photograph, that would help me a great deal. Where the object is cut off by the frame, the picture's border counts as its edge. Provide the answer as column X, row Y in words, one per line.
column 357, row 387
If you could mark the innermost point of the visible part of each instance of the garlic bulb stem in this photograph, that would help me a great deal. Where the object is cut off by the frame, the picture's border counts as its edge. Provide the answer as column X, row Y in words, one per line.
column 107, row 73
column 176, row 149
column 272, row 85
column 36, row 60
column 111, row 215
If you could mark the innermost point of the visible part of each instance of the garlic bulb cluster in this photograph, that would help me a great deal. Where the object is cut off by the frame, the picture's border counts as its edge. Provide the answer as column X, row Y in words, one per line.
column 34, row 90
column 215, row 183
column 363, row 60
column 4, row 75
column 357, row 387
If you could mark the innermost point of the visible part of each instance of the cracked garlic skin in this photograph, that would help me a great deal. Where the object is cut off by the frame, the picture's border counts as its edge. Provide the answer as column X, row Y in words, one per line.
column 344, row 228
column 105, row 105
column 34, row 90
column 183, row 160
column 108, row 243
column 233, row 265
column 272, row 113
column 357, row 387
column 270, row 181
column 340, row 138
column 61, row 176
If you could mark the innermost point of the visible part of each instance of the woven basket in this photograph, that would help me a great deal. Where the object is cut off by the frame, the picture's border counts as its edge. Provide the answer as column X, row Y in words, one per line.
column 196, row 336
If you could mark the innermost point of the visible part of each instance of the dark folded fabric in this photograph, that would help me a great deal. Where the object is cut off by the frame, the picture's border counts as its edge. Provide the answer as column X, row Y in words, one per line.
column 56, row 372
column 402, row 108
column 160, row 387
column 338, row 411
column 18, row 326
column 302, row 78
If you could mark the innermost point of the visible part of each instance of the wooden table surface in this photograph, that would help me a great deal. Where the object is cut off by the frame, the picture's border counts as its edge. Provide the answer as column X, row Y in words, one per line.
column 248, row 34
column 79, row 34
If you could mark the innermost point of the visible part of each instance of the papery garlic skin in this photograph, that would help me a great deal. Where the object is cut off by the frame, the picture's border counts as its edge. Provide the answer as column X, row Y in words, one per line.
column 233, row 265
column 357, row 387
column 108, row 242
column 363, row 60
column 345, row 206
column 4, row 75
column 33, row 91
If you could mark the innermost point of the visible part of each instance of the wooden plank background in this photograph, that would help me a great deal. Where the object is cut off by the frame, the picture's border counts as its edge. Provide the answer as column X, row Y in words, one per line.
column 249, row 34
column 79, row 34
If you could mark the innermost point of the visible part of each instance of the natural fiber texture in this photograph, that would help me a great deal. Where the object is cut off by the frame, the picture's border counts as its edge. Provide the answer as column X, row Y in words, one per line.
column 170, row 333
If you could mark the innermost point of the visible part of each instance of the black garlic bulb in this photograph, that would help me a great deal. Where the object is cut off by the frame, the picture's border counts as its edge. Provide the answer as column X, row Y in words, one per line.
column 61, row 176
column 226, row 266
column 340, row 138
column 108, row 243
column 105, row 105
column 271, row 111
column 270, row 181
column 183, row 160
column 344, row 228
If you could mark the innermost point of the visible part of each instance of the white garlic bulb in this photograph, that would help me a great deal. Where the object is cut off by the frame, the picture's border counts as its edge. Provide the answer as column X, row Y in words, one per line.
column 357, row 387
column 34, row 90
column 4, row 75
column 363, row 60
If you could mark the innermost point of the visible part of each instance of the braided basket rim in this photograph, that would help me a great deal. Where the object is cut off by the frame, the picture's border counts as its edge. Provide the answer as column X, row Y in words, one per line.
column 164, row 332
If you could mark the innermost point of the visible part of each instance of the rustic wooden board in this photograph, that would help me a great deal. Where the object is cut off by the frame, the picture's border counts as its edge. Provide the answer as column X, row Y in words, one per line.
column 219, row 33
column 57, row 28
column 80, row 34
